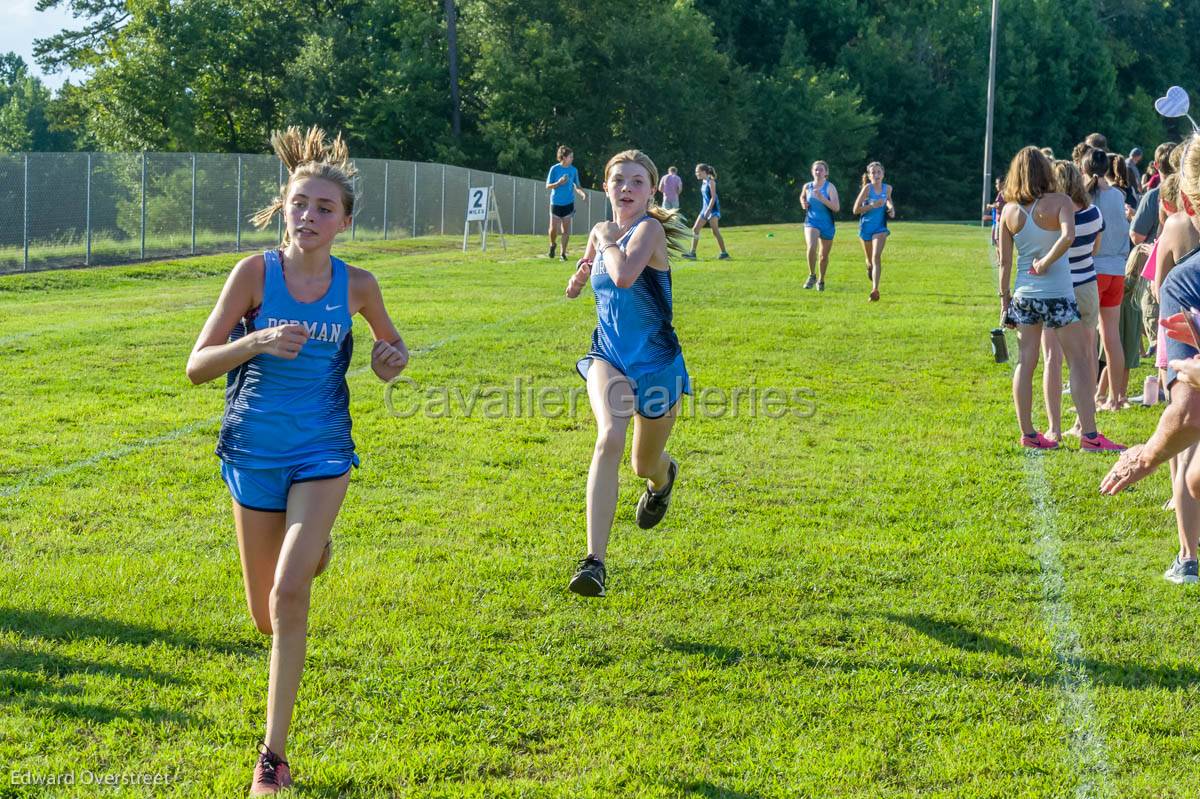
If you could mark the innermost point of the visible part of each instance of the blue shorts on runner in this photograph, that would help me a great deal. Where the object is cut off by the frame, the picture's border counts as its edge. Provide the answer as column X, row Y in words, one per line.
column 654, row 394
column 266, row 490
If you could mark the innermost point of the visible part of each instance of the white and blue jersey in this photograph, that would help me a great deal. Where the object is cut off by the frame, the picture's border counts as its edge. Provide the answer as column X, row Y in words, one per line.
column 706, row 196
column 290, row 413
column 634, row 333
column 874, row 222
column 564, row 194
column 819, row 217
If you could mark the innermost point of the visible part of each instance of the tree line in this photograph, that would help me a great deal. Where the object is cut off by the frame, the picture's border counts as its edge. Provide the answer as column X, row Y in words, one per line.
column 759, row 90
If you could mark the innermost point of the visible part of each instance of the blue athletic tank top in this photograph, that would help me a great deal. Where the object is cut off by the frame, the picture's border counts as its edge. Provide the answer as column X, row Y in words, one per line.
column 633, row 326
column 705, row 199
column 818, row 216
column 282, row 412
column 1033, row 242
column 874, row 220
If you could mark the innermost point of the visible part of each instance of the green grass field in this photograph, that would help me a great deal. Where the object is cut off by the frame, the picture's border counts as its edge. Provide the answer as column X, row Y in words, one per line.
column 883, row 598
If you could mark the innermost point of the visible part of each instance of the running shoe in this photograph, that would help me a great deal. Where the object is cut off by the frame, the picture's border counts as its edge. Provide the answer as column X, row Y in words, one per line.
column 691, row 256
column 873, row 296
column 812, row 281
column 1099, row 443
column 589, row 577
column 820, row 285
column 653, row 504
column 553, row 247
column 1038, row 441
column 724, row 256
column 271, row 774
column 563, row 257
column 1183, row 572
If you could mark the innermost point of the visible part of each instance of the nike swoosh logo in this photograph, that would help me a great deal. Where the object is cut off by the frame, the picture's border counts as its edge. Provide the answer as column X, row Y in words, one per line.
column 332, row 307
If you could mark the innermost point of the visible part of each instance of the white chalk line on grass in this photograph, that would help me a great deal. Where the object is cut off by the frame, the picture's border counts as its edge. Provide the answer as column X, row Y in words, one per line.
column 1087, row 741
column 174, row 435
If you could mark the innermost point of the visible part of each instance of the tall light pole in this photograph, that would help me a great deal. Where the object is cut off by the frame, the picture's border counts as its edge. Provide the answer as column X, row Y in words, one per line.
column 991, row 103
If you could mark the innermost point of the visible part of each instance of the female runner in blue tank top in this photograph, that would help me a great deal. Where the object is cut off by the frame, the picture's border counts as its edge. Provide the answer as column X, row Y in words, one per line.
column 710, row 211
column 280, row 333
column 635, row 367
column 874, row 203
column 819, row 199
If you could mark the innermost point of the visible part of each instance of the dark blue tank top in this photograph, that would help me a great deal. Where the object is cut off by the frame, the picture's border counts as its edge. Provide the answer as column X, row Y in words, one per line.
column 706, row 198
column 282, row 412
column 634, row 331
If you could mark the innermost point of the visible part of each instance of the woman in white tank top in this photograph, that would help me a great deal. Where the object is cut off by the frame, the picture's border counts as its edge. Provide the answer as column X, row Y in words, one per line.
column 1040, row 224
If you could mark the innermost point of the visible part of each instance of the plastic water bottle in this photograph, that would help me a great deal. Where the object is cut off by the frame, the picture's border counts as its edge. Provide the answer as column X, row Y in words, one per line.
column 1150, row 391
column 999, row 346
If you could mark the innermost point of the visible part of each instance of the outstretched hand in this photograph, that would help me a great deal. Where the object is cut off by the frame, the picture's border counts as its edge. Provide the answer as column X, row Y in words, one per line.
column 1128, row 469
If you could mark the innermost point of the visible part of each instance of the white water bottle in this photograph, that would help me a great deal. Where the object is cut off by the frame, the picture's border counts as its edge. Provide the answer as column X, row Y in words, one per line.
column 1150, row 391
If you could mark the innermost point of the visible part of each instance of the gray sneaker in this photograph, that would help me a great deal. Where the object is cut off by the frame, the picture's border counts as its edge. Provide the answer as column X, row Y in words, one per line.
column 1183, row 572
column 812, row 281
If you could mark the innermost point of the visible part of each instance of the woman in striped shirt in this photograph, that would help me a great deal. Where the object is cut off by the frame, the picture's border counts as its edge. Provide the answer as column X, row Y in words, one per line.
column 1088, row 227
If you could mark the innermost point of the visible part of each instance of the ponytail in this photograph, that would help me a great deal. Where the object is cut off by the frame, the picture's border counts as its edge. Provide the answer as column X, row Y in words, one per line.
column 679, row 235
column 1094, row 167
column 309, row 154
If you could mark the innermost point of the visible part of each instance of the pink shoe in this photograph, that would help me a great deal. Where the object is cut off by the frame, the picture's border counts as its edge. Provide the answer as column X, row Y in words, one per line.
column 1038, row 441
column 271, row 774
column 1099, row 444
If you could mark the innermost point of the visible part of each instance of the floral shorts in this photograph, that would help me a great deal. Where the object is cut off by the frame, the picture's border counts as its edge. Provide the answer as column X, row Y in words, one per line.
column 1054, row 312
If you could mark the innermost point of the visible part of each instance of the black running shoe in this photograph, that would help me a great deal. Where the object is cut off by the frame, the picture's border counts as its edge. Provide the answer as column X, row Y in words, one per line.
column 589, row 577
column 564, row 255
column 553, row 247
column 652, row 507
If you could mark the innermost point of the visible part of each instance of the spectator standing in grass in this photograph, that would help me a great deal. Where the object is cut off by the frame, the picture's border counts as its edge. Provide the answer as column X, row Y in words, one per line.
column 1178, row 432
column 1040, row 224
column 671, row 186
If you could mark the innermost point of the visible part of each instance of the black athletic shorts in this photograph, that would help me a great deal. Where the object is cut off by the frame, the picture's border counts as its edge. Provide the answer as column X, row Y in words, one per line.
column 563, row 211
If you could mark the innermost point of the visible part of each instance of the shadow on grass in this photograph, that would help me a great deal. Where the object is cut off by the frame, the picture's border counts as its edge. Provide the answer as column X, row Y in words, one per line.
column 36, row 679
column 63, row 627
column 1016, row 664
column 720, row 654
column 710, row 791
column 952, row 633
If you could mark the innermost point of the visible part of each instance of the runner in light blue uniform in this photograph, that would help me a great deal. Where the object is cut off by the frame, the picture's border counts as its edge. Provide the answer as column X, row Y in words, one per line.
column 289, row 421
column 710, row 211
column 280, row 336
column 818, row 222
column 874, row 205
column 634, row 333
column 634, row 368
column 818, row 215
column 874, row 222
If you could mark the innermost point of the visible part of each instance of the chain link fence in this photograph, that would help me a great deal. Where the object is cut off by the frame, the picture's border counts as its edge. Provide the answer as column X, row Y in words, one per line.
column 85, row 209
